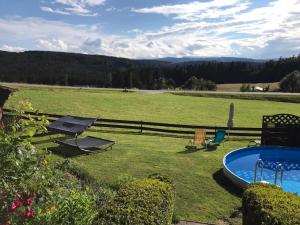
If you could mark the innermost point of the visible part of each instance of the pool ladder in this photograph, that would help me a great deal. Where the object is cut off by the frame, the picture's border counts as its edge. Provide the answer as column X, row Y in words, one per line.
column 260, row 165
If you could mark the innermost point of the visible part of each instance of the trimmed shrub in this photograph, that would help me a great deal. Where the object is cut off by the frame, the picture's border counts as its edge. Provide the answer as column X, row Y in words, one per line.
column 146, row 201
column 265, row 204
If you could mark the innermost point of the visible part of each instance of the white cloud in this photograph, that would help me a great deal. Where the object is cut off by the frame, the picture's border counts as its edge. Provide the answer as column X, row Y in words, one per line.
column 239, row 30
column 266, row 32
column 74, row 7
column 48, row 9
column 195, row 10
column 11, row 48
column 53, row 45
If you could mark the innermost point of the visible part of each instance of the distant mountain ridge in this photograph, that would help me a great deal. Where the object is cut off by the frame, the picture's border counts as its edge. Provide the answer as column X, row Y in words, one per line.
column 210, row 59
column 164, row 60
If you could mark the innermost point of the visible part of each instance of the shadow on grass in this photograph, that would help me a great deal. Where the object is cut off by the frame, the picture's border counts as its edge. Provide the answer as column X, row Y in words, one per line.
column 211, row 148
column 66, row 152
column 191, row 149
column 220, row 178
column 41, row 142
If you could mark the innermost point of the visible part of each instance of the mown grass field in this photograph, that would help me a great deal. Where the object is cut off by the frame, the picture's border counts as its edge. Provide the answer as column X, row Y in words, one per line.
column 203, row 193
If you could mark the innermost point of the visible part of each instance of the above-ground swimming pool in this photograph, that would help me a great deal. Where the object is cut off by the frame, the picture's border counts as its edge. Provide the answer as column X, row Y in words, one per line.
column 239, row 166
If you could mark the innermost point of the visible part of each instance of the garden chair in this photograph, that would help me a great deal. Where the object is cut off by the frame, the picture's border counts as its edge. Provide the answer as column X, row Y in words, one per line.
column 199, row 137
column 217, row 139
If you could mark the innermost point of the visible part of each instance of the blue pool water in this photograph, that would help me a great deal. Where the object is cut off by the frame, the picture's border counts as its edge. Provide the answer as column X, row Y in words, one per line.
column 239, row 166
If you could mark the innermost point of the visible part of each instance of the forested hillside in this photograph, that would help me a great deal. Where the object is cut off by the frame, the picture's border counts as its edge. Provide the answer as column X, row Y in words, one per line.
column 103, row 71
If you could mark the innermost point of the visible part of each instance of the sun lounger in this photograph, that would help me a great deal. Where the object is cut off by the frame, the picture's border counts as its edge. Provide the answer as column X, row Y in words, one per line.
column 74, row 126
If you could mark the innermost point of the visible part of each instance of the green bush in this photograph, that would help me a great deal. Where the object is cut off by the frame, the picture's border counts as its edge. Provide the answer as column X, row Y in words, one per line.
column 193, row 83
column 245, row 88
column 73, row 168
column 265, row 204
column 146, row 201
column 291, row 82
column 74, row 208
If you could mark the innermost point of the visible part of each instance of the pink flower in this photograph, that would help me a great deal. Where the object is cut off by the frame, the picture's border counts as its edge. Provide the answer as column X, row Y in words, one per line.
column 29, row 200
column 29, row 213
column 16, row 204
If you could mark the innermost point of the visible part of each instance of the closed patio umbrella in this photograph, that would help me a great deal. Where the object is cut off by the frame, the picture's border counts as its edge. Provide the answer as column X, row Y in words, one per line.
column 230, row 119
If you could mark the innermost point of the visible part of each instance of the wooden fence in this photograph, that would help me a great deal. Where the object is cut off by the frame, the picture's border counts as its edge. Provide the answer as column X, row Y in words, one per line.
column 143, row 126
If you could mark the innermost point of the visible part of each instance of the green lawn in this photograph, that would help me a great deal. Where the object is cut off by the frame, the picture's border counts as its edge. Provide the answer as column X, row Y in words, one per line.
column 203, row 194
column 151, row 107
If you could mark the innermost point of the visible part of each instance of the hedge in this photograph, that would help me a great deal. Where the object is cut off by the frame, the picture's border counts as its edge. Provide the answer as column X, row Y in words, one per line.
column 266, row 204
column 145, row 201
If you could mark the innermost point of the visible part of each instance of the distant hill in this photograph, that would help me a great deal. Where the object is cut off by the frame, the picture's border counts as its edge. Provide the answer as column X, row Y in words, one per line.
column 59, row 68
column 210, row 59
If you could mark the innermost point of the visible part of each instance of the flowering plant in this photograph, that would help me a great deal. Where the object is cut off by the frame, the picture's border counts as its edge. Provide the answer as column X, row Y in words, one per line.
column 19, row 162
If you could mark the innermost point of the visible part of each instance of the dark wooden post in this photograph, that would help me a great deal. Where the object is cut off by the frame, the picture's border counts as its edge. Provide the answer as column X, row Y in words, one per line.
column 141, row 131
column 4, row 94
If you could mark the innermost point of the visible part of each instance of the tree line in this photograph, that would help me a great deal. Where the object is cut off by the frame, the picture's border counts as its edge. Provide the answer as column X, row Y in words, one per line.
column 72, row 69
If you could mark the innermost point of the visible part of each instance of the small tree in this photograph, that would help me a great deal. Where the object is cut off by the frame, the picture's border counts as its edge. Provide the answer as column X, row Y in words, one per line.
column 245, row 88
column 193, row 83
column 267, row 88
column 291, row 82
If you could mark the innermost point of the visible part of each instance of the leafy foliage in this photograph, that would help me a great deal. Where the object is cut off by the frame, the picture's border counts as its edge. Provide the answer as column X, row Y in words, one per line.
column 245, row 88
column 265, row 204
column 74, row 207
column 193, row 83
column 146, row 201
column 291, row 82
column 19, row 163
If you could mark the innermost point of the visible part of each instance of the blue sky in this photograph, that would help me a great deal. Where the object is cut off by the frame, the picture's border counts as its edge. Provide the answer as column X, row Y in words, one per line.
column 153, row 29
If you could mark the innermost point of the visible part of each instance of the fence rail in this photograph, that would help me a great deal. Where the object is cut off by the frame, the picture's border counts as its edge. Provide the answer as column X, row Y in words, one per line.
column 142, row 126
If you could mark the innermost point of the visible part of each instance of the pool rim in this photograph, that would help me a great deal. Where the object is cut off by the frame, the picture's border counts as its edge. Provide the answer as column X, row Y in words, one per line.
column 238, row 181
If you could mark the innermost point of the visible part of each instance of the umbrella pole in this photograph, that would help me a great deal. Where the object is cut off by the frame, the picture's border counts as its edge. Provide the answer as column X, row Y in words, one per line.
column 228, row 134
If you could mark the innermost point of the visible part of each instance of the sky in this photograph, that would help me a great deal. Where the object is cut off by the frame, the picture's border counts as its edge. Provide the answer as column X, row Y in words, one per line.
column 145, row 29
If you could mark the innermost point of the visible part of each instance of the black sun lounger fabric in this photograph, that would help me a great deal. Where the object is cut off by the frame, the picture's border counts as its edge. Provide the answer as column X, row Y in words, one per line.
column 78, row 120
column 87, row 143
column 71, row 125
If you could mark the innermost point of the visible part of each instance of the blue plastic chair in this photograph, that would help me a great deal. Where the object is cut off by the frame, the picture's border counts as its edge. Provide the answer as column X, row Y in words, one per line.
column 218, row 138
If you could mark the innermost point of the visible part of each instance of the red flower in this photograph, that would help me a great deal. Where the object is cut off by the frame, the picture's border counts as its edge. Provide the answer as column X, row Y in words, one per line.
column 29, row 200
column 16, row 204
column 20, row 193
column 29, row 213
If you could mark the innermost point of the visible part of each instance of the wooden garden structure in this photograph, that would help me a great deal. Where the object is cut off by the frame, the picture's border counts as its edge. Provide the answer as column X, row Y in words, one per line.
column 281, row 130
